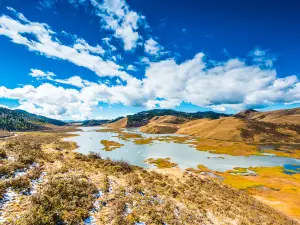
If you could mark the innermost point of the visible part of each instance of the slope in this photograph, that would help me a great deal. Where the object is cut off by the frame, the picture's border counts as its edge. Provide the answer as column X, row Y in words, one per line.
column 19, row 120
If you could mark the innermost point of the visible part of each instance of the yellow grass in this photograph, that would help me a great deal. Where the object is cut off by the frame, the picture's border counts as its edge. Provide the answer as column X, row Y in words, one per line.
column 161, row 163
column 272, row 186
column 110, row 145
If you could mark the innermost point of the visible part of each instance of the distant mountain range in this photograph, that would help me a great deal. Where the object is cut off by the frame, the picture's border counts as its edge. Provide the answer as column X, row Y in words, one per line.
column 20, row 120
column 143, row 118
column 249, row 125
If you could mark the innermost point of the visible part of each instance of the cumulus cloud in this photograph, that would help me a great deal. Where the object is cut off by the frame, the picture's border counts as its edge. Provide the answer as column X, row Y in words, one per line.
column 117, row 16
column 74, row 81
column 43, row 101
column 39, row 37
column 131, row 68
column 232, row 84
column 41, row 74
column 152, row 47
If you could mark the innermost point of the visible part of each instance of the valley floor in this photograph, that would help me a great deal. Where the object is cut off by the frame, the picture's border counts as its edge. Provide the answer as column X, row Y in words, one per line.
column 43, row 181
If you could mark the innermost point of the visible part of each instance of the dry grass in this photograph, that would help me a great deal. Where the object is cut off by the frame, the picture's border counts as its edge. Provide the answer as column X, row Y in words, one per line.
column 271, row 186
column 161, row 163
column 122, row 123
column 163, row 125
column 110, row 145
column 67, row 194
column 227, row 128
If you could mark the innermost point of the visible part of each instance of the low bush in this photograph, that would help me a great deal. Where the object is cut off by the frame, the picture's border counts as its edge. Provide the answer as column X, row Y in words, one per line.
column 65, row 199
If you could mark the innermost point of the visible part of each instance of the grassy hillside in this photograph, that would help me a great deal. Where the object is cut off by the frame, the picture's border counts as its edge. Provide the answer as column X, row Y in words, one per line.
column 143, row 118
column 19, row 120
column 239, row 128
column 248, row 126
column 284, row 116
column 164, row 124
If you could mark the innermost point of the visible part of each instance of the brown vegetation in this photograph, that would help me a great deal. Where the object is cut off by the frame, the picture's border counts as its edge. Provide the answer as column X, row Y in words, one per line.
column 122, row 123
column 163, row 125
column 131, row 194
column 110, row 145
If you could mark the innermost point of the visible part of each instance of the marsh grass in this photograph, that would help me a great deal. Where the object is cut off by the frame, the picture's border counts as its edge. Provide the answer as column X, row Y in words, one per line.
column 110, row 145
column 69, row 190
column 161, row 163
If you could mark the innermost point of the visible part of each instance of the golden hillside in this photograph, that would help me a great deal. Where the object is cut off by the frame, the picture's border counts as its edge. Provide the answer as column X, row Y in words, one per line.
column 163, row 125
column 284, row 116
column 122, row 123
column 228, row 128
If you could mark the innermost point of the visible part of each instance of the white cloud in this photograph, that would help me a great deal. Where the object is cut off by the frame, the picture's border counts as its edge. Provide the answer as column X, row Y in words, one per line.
column 131, row 68
column 44, row 41
column 225, row 85
column 118, row 17
column 262, row 57
column 233, row 83
column 82, row 46
column 41, row 74
column 74, row 81
column 152, row 47
column 4, row 106
column 219, row 85
column 107, row 42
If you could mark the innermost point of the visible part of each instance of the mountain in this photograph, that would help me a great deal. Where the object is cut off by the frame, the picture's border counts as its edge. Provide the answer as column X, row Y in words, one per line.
column 283, row 116
column 143, row 118
column 20, row 120
column 90, row 123
column 164, row 124
column 249, row 126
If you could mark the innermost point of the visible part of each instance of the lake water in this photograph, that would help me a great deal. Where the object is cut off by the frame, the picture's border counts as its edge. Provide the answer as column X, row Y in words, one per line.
column 183, row 154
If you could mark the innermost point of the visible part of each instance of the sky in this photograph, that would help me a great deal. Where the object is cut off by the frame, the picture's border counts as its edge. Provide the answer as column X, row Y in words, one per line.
column 100, row 59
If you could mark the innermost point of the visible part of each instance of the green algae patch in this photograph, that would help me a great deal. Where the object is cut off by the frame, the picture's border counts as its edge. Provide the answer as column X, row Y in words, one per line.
column 161, row 163
column 110, row 145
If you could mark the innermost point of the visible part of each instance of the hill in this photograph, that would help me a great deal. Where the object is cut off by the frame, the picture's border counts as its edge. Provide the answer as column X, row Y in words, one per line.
column 20, row 120
column 249, row 126
column 90, row 123
column 223, row 129
column 284, row 116
column 121, row 123
column 144, row 117
column 164, row 124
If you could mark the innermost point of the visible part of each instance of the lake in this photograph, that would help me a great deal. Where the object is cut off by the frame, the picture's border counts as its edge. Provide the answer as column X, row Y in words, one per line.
column 184, row 155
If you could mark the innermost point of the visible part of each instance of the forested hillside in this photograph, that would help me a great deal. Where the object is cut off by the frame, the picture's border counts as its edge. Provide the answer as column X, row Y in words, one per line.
column 142, row 118
column 19, row 120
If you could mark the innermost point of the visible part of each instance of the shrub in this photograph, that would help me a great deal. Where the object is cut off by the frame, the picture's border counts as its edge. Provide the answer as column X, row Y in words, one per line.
column 64, row 199
column 94, row 155
column 2, row 154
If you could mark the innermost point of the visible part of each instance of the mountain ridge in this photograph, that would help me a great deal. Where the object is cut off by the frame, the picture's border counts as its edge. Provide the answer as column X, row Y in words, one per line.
column 20, row 120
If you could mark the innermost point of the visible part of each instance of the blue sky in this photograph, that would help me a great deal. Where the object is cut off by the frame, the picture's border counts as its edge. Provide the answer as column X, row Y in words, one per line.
column 79, row 59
